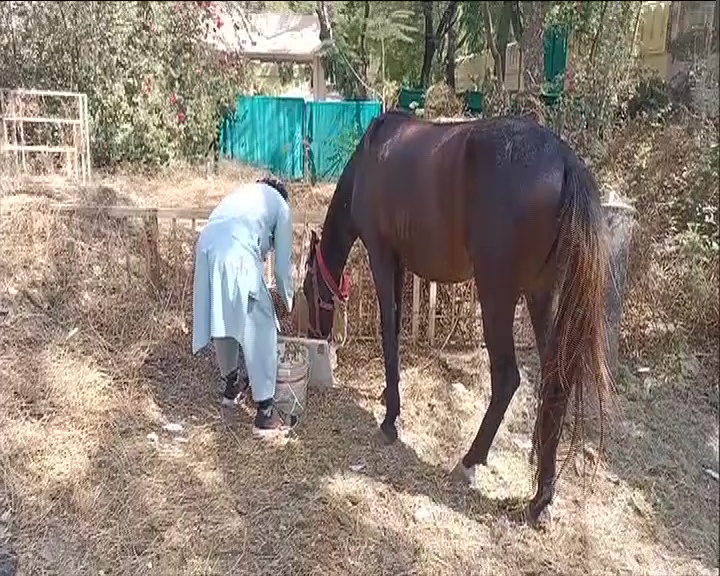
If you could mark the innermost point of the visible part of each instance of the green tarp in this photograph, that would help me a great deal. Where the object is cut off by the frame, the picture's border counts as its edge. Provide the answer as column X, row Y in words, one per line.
column 270, row 132
column 333, row 130
column 266, row 132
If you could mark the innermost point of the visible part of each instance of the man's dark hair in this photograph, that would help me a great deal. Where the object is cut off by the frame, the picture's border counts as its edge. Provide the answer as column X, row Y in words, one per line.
column 277, row 184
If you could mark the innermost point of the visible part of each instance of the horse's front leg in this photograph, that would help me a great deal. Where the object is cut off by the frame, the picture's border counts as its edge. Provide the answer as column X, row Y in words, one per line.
column 399, row 285
column 384, row 267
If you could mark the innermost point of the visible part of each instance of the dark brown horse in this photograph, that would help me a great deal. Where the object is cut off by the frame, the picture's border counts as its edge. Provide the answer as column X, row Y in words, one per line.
column 503, row 201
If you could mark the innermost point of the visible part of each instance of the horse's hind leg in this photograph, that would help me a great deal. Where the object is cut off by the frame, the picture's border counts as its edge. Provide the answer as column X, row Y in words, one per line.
column 498, row 312
column 539, row 304
column 552, row 408
column 554, row 401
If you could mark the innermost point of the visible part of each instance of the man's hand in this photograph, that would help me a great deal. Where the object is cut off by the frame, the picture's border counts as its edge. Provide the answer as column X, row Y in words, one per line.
column 296, row 321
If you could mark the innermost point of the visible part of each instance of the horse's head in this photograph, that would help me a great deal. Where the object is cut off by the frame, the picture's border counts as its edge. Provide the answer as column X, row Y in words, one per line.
column 326, row 300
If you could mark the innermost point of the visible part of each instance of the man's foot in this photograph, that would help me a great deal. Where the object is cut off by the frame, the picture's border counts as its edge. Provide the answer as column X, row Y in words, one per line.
column 268, row 421
column 234, row 391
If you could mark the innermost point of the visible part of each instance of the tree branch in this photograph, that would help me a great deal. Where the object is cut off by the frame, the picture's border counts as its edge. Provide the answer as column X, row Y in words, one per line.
column 324, row 19
column 430, row 45
column 599, row 32
column 364, row 64
column 490, row 39
column 451, row 47
column 446, row 19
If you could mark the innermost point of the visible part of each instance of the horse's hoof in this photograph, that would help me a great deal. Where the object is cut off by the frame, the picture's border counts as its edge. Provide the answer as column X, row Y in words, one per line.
column 538, row 519
column 389, row 432
column 465, row 475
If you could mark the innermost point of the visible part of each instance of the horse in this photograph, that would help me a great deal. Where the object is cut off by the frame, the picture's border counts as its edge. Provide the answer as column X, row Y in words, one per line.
column 503, row 201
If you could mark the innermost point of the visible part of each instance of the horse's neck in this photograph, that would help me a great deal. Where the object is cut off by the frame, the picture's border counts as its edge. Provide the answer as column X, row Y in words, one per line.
column 337, row 236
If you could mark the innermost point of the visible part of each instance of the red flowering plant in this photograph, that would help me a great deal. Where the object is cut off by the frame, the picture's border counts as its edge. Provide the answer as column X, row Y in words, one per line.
column 207, row 87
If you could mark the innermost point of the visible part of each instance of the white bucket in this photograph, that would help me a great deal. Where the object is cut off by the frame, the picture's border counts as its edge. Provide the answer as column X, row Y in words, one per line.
column 292, row 380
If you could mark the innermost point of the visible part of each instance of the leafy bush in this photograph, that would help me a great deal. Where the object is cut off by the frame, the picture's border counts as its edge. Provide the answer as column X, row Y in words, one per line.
column 156, row 88
column 670, row 173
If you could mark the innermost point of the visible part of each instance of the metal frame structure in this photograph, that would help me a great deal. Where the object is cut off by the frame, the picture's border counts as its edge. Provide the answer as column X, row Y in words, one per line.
column 14, row 149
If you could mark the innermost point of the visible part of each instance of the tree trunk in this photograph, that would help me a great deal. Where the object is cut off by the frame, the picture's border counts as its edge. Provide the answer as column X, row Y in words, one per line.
column 324, row 19
column 598, row 33
column 362, row 52
column 533, row 43
column 432, row 36
column 518, row 26
column 490, row 39
column 451, row 46
column 714, row 44
column 430, row 45
column 502, row 36
column 325, row 33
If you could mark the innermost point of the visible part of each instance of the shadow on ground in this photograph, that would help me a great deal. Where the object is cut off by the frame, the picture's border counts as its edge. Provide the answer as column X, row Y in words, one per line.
column 116, row 456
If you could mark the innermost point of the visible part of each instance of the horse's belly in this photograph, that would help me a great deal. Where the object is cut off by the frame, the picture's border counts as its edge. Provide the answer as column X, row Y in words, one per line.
column 433, row 269
column 439, row 259
column 426, row 232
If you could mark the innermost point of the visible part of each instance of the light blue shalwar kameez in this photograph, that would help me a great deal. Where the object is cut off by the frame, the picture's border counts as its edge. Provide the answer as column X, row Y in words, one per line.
column 230, row 297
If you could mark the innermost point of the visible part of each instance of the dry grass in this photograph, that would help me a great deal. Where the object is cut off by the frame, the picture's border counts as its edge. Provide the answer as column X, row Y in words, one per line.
column 94, row 367
column 182, row 186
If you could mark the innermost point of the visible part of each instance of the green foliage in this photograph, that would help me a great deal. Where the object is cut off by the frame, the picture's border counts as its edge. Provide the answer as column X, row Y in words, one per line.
column 156, row 90
column 471, row 28
column 699, row 206
column 603, row 70
column 389, row 34
column 344, row 145
column 652, row 98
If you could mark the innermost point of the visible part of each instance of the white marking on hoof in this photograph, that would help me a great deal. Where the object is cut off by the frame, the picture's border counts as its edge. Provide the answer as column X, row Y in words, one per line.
column 469, row 474
column 466, row 475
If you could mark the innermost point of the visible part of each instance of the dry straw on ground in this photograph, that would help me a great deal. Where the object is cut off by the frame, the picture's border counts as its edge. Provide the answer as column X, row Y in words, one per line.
column 116, row 459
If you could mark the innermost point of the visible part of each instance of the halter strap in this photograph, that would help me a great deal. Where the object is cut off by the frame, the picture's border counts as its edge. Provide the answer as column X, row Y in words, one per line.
column 341, row 292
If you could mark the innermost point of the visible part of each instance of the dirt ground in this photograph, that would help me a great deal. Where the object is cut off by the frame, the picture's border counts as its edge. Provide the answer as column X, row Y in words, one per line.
column 117, row 459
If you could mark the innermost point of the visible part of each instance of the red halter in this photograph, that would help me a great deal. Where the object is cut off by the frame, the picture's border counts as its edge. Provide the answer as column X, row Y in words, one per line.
column 341, row 292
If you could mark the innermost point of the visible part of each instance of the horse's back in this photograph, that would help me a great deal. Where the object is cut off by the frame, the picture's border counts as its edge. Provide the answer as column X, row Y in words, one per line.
column 438, row 193
column 409, row 198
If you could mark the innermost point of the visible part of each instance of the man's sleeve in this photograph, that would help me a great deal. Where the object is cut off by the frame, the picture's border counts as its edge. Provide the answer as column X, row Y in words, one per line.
column 283, row 254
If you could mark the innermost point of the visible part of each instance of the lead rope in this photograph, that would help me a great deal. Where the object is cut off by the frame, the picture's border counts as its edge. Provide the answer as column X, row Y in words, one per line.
column 339, row 318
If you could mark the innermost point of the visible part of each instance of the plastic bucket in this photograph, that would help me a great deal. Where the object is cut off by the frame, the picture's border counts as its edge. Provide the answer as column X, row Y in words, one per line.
column 292, row 382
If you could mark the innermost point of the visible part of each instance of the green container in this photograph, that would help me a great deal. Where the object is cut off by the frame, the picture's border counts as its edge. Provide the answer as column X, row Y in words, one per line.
column 556, row 49
column 473, row 101
column 550, row 98
column 409, row 95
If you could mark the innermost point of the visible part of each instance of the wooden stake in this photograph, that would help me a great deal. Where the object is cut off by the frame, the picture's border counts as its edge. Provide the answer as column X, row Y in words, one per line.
column 416, row 308
column 432, row 313
column 86, row 125
column 152, row 231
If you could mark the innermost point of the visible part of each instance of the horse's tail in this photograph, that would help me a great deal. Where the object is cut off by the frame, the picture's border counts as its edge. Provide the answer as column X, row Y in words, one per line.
column 577, row 359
